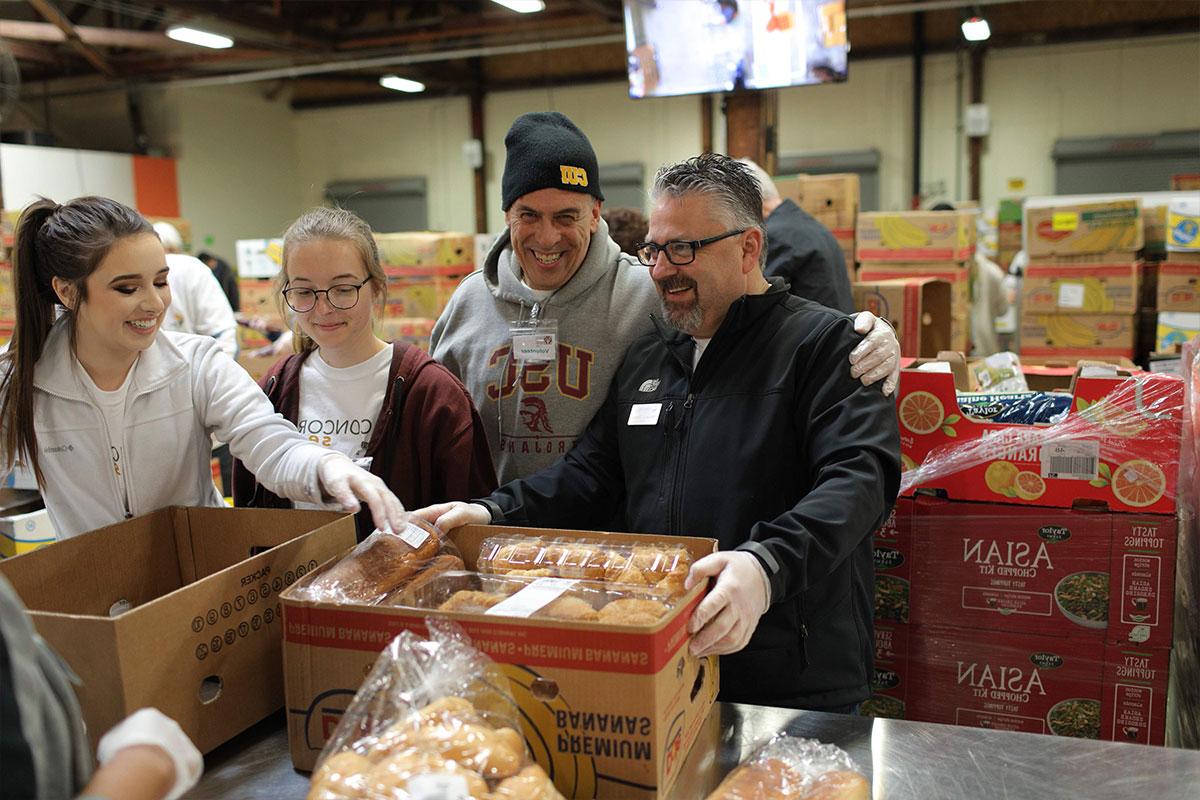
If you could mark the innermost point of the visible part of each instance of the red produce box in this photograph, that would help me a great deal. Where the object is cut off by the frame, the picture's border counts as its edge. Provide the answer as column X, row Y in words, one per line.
column 893, row 563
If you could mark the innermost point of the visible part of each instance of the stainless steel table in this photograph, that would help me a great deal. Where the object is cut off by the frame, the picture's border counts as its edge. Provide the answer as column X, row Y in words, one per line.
column 905, row 760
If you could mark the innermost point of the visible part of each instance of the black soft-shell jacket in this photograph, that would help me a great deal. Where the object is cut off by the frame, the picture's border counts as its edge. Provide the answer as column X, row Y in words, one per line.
column 804, row 253
column 770, row 447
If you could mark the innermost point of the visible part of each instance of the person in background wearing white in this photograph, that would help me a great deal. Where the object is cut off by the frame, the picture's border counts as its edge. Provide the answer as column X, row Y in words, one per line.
column 44, row 751
column 113, row 414
column 198, row 304
column 989, row 299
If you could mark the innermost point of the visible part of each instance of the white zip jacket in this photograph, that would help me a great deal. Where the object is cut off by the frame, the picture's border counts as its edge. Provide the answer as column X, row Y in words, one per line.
column 183, row 390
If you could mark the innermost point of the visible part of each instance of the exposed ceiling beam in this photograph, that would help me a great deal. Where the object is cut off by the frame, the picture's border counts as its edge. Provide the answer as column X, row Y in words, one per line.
column 279, row 30
column 50, row 12
column 24, row 51
column 477, row 25
column 97, row 37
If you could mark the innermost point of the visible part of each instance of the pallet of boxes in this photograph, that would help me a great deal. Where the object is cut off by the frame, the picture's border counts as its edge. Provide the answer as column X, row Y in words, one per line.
column 1026, row 580
column 1177, row 320
column 1080, row 297
column 832, row 200
column 588, row 627
column 423, row 269
column 901, row 252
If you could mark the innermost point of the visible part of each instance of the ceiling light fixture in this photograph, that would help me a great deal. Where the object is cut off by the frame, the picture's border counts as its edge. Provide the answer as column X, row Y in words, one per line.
column 401, row 84
column 976, row 29
column 522, row 6
column 181, row 33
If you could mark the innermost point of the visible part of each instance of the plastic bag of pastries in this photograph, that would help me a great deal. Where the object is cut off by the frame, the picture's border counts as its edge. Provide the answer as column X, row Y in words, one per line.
column 382, row 565
column 433, row 719
column 792, row 768
column 663, row 566
column 575, row 600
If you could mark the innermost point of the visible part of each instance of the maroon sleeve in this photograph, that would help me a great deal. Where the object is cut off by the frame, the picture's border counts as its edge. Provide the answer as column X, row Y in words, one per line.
column 247, row 493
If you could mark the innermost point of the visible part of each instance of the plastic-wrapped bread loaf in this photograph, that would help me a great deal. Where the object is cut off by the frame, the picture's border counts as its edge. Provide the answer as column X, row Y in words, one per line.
column 791, row 768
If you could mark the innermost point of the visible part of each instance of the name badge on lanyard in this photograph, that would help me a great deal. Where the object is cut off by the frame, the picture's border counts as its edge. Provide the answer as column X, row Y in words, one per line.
column 534, row 341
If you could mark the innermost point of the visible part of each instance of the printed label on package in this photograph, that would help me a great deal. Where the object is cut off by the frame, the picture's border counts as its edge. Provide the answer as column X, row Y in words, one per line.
column 533, row 597
column 1076, row 461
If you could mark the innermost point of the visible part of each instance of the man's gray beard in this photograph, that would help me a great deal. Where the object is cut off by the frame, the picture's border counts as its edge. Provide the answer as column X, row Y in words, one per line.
column 686, row 321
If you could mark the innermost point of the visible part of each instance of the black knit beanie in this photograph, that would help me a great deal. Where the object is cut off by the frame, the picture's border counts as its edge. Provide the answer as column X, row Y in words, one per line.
column 547, row 151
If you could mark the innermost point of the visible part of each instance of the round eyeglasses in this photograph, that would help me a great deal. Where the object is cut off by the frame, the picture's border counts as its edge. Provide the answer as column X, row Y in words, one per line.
column 341, row 296
column 679, row 253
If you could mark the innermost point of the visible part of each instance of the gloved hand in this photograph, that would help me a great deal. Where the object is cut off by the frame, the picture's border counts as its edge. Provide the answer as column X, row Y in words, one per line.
column 449, row 516
column 728, row 615
column 346, row 484
column 149, row 726
column 877, row 356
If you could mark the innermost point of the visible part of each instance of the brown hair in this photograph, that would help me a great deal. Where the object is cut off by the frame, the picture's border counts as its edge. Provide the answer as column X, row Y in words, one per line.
column 627, row 227
column 338, row 224
column 51, row 241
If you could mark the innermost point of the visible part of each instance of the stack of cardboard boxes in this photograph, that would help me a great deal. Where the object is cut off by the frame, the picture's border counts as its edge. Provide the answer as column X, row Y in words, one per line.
column 1080, row 297
column 1178, row 296
column 913, row 245
column 8, row 303
column 832, row 200
column 1036, row 591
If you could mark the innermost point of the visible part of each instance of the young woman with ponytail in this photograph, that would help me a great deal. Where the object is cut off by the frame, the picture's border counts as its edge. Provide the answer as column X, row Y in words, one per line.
column 390, row 406
column 113, row 414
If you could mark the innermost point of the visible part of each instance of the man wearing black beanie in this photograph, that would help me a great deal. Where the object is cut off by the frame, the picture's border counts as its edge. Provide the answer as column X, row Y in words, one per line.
column 537, row 333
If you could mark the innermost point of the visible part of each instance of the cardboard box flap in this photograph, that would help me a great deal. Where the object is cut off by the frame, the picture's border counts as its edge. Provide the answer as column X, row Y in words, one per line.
column 210, row 551
column 149, row 567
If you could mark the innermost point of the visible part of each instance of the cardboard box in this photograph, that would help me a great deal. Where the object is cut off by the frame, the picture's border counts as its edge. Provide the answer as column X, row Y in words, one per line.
column 1128, row 445
column 1183, row 225
column 1081, row 289
column 570, row 682
column 201, row 641
column 1078, row 335
column 260, row 298
column 1175, row 328
column 889, row 682
column 24, row 522
column 832, row 199
column 1068, row 573
column 258, row 366
column 957, row 275
column 421, row 291
column 918, row 308
column 916, row 236
column 426, row 249
column 258, row 258
column 1083, row 228
column 414, row 331
column 1037, row 684
column 1178, row 287
column 893, row 563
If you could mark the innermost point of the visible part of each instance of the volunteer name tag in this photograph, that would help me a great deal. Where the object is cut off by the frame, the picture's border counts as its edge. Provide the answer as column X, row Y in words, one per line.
column 645, row 413
column 535, row 342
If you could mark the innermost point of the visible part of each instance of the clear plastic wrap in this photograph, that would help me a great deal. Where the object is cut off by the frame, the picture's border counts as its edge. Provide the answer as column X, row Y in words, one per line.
column 382, row 566
column 791, row 768
column 434, row 719
column 662, row 566
column 1118, row 445
column 544, row 598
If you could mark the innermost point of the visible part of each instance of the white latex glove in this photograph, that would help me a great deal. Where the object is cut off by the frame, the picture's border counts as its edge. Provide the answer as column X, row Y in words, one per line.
column 149, row 726
column 449, row 516
column 878, row 356
column 347, row 483
column 727, row 616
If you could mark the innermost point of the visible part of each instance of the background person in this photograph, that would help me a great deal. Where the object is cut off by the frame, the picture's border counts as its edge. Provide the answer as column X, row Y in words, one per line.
column 198, row 305
column 113, row 414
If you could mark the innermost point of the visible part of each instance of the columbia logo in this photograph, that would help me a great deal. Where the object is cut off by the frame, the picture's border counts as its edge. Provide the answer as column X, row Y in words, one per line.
column 649, row 385
column 61, row 448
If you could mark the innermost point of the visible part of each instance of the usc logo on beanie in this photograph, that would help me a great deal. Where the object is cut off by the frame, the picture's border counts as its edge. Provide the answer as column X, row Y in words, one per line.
column 573, row 176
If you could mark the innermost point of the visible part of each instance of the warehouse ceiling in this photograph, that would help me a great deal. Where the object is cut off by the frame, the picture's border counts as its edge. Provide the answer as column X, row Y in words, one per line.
column 332, row 53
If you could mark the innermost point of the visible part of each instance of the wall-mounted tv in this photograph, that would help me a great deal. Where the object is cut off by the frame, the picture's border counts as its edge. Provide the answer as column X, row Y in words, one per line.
column 696, row 46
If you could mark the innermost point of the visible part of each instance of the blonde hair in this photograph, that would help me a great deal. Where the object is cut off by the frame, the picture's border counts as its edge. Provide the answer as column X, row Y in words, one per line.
column 336, row 224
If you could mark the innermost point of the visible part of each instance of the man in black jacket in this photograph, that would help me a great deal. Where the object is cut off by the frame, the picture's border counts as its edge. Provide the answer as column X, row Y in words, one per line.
column 801, row 250
column 733, row 420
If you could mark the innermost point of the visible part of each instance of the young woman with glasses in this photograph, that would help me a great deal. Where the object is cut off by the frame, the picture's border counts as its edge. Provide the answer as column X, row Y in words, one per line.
column 390, row 407
column 113, row 414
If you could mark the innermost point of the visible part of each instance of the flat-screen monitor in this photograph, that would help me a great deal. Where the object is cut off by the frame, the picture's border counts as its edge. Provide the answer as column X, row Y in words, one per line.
column 696, row 46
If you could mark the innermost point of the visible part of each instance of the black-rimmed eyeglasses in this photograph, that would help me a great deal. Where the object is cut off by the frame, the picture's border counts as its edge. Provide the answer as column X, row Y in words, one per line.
column 342, row 296
column 679, row 253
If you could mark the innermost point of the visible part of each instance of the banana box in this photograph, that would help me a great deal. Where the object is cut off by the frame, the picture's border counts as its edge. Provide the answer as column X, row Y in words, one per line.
column 608, row 711
column 409, row 330
column 426, row 249
column 1178, row 287
column 258, row 258
column 1118, row 444
column 1074, row 229
column 957, row 275
column 832, row 200
column 422, row 290
column 1081, row 289
column 916, row 236
column 1078, row 335
column 1175, row 328
column 917, row 308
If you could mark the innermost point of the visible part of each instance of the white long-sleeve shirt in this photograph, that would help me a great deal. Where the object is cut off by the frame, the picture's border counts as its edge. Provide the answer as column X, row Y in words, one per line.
column 198, row 305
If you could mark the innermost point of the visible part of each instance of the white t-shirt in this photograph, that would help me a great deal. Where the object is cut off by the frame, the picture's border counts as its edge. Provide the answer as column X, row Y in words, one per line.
column 112, row 407
column 699, row 351
column 339, row 406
